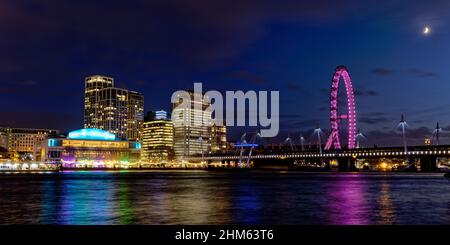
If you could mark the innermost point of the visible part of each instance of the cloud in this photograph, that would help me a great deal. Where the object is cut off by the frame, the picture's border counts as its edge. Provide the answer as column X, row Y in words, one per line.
column 18, row 87
column 358, row 92
column 311, row 123
column 374, row 118
column 27, row 82
column 413, row 71
column 383, row 71
column 8, row 90
column 39, row 119
column 298, row 89
column 187, row 33
column 422, row 73
column 414, row 136
column 366, row 93
column 377, row 113
column 247, row 77
column 51, row 43
column 418, row 133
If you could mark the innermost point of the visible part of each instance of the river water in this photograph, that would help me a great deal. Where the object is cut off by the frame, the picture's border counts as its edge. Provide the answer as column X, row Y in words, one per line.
column 202, row 197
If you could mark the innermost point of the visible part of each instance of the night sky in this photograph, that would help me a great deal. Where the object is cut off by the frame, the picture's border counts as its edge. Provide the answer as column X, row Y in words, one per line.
column 157, row 47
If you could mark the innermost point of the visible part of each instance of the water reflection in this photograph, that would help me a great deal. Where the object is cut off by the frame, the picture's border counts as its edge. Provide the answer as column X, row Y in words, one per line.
column 196, row 201
column 386, row 207
column 124, row 208
column 154, row 202
column 87, row 201
column 223, row 198
column 347, row 204
column 50, row 203
column 247, row 204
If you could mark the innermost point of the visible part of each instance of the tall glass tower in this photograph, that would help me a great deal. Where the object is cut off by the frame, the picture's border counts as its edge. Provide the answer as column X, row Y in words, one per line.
column 92, row 87
column 192, row 139
column 115, row 110
column 135, row 115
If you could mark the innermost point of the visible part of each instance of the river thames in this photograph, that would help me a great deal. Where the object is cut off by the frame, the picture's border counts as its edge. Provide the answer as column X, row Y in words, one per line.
column 206, row 197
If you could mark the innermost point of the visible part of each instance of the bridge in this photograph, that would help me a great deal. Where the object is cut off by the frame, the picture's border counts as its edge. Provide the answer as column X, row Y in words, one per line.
column 343, row 154
column 425, row 156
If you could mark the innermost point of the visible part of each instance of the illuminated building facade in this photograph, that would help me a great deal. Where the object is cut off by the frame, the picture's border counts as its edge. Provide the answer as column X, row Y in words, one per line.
column 3, row 139
column 23, row 140
column 156, row 115
column 218, row 138
column 115, row 110
column 157, row 141
column 3, row 153
column 91, row 148
column 161, row 115
column 192, row 138
column 92, row 87
column 135, row 115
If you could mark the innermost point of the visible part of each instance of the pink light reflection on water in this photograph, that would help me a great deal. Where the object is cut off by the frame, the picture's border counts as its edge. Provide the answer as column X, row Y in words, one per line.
column 347, row 201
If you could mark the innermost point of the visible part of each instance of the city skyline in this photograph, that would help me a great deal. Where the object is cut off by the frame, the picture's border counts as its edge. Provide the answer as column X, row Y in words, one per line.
column 385, row 51
column 215, row 120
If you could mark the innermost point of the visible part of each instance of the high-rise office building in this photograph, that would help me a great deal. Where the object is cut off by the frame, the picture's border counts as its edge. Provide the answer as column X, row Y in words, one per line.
column 161, row 115
column 192, row 135
column 135, row 115
column 113, row 115
column 218, row 138
column 115, row 110
column 92, row 87
column 157, row 140
column 156, row 115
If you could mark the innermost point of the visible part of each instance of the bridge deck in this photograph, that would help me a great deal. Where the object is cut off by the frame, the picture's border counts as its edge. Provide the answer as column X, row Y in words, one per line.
column 415, row 151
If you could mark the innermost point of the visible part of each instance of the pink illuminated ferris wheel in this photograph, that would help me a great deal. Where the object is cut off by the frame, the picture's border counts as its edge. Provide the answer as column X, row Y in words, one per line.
column 333, row 141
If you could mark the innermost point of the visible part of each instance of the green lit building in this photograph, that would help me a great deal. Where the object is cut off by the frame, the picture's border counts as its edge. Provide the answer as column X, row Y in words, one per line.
column 90, row 148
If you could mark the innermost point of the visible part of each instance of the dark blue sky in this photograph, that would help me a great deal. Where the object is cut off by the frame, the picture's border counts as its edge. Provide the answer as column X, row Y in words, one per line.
column 157, row 47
